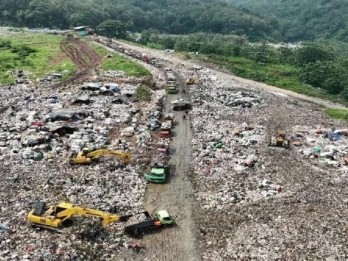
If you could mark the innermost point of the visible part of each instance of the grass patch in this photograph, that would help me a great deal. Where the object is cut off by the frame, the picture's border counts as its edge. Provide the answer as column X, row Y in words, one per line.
column 156, row 46
column 117, row 62
column 143, row 93
column 35, row 53
column 337, row 113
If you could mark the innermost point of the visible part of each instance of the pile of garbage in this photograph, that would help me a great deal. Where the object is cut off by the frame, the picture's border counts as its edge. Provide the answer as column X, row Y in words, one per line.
column 240, row 99
column 324, row 146
column 40, row 130
column 253, row 201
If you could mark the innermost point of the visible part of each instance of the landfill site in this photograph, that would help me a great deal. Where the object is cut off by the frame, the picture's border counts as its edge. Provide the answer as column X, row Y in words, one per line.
column 213, row 167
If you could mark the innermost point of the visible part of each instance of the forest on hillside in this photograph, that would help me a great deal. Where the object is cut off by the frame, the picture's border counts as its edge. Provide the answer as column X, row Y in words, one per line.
column 173, row 17
column 304, row 20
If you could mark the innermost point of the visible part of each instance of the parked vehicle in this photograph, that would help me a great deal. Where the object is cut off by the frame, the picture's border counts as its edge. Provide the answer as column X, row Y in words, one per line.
column 180, row 104
column 158, row 174
column 160, row 220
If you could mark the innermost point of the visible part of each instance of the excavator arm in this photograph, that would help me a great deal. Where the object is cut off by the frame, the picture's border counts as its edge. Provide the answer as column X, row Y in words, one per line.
column 80, row 211
column 104, row 152
column 86, row 158
column 55, row 216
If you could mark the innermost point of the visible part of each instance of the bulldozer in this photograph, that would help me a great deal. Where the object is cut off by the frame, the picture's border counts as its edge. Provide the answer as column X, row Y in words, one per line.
column 280, row 140
column 55, row 217
column 87, row 156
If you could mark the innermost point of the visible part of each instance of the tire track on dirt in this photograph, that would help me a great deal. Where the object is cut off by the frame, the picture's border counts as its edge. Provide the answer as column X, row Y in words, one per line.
column 83, row 56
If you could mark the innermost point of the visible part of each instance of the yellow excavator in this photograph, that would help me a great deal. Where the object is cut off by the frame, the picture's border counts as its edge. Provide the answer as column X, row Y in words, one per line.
column 86, row 156
column 280, row 140
column 55, row 217
column 190, row 81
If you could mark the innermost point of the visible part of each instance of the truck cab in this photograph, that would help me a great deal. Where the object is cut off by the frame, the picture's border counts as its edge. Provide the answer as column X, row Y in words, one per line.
column 172, row 90
column 157, row 175
column 164, row 217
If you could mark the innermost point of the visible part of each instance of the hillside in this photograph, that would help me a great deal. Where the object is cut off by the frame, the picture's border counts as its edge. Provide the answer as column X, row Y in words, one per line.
column 304, row 20
column 177, row 16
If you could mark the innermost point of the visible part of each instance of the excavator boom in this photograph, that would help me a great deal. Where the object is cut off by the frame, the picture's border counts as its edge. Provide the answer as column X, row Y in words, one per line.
column 54, row 216
column 86, row 158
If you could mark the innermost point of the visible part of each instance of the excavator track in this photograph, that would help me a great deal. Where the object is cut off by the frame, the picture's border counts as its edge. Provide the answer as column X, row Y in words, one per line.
column 55, row 230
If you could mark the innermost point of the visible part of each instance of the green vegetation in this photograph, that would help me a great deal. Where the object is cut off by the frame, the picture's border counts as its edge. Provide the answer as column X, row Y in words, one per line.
column 115, row 17
column 34, row 53
column 285, row 77
column 304, row 20
column 313, row 68
column 115, row 62
column 143, row 93
column 337, row 113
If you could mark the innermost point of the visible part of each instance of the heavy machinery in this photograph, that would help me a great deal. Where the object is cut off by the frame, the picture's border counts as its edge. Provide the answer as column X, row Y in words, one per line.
column 191, row 81
column 54, row 217
column 158, row 174
column 280, row 140
column 86, row 156
column 160, row 219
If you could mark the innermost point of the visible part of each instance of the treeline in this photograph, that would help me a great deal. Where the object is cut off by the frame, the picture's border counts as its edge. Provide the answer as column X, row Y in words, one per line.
column 304, row 20
column 314, row 63
column 174, row 17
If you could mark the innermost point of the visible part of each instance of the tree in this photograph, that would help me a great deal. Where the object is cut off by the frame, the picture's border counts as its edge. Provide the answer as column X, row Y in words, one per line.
column 113, row 28
column 328, row 75
column 313, row 52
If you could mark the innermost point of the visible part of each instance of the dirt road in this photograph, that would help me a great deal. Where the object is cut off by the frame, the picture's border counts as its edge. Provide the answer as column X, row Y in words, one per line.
column 83, row 56
column 176, row 196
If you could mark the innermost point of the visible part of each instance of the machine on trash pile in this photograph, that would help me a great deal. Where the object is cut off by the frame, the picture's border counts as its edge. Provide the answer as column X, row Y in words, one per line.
column 87, row 156
column 57, row 216
column 280, row 140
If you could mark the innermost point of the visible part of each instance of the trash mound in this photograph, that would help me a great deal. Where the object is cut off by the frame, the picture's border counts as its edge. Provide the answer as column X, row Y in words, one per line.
column 258, row 203
column 241, row 99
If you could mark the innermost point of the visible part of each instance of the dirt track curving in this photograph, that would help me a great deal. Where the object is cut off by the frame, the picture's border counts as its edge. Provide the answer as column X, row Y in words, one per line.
column 83, row 56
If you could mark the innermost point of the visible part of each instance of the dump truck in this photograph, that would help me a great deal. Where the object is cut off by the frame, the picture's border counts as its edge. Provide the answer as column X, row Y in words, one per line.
column 280, row 140
column 87, row 156
column 158, row 173
column 165, row 134
column 171, row 89
column 180, row 104
column 56, row 216
column 171, row 76
column 166, row 125
column 169, row 117
column 163, row 147
column 160, row 220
